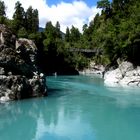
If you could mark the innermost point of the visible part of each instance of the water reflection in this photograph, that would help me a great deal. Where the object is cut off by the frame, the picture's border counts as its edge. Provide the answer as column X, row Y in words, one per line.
column 84, row 112
column 17, row 121
column 65, row 128
column 39, row 119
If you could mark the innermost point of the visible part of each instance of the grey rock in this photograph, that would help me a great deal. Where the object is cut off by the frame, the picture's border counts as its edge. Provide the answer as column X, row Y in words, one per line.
column 125, row 75
column 125, row 67
column 6, row 36
column 2, row 71
column 19, row 76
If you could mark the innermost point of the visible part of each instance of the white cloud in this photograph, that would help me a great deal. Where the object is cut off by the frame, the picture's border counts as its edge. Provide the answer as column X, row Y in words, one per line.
column 76, row 13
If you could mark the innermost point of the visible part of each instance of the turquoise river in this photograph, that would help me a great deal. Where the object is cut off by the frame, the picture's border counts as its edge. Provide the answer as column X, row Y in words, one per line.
column 77, row 108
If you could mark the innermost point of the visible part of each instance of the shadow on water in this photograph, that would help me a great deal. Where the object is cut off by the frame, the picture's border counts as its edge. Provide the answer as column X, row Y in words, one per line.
column 52, row 90
column 55, row 92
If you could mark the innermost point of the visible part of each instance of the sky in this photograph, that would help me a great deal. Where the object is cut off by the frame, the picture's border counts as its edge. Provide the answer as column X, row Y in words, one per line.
column 67, row 12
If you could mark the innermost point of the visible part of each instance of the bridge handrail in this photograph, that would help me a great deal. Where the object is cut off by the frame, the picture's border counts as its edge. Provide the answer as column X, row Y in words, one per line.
column 85, row 50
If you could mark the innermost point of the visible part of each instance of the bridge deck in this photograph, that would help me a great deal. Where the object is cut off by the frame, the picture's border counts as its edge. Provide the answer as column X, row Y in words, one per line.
column 84, row 50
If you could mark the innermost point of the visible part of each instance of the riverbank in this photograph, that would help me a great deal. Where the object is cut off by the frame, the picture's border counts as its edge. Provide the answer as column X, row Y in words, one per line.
column 126, row 74
column 93, row 69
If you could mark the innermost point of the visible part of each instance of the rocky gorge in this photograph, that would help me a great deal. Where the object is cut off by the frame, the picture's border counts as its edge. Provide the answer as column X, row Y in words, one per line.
column 19, row 75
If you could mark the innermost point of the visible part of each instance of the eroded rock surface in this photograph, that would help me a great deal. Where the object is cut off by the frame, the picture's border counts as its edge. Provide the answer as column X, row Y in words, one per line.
column 19, row 75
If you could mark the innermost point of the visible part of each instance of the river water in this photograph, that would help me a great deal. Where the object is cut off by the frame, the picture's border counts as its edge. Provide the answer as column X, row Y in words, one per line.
column 77, row 108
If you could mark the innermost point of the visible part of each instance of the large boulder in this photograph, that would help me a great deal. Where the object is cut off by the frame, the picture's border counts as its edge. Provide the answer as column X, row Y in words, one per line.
column 19, row 75
column 112, row 77
column 125, row 67
column 125, row 75
column 6, row 36
column 28, row 47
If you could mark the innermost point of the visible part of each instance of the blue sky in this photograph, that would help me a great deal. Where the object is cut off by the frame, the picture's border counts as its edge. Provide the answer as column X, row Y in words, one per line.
column 88, row 2
column 67, row 12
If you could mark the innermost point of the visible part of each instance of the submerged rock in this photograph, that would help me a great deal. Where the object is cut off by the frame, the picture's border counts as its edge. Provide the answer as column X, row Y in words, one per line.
column 125, row 75
column 19, row 75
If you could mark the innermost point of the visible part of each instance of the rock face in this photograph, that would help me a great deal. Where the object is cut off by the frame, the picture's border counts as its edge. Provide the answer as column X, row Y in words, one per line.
column 125, row 75
column 19, row 76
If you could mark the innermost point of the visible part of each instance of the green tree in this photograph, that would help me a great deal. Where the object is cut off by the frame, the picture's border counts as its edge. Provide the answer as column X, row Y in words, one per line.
column 105, row 6
column 74, row 34
column 22, row 33
column 58, row 32
column 2, row 9
column 32, row 20
column 35, row 22
column 50, row 30
column 50, row 33
column 2, row 12
column 120, row 4
column 18, row 17
column 29, row 19
column 67, row 35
